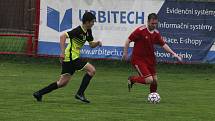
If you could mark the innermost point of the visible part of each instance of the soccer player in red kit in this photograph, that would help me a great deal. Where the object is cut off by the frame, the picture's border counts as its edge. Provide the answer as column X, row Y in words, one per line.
column 143, row 58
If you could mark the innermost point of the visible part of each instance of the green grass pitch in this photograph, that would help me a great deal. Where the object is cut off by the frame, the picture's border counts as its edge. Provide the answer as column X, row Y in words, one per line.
column 187, row 94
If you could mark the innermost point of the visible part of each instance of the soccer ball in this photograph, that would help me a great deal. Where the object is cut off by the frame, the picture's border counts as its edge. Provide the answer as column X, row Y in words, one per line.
column 154, row 98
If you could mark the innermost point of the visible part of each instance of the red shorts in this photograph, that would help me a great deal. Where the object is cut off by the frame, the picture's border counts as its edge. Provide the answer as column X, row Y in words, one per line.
column 144, row 70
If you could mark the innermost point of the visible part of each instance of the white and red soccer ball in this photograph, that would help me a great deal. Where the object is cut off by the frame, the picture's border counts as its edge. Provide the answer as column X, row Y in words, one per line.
column 154, row 98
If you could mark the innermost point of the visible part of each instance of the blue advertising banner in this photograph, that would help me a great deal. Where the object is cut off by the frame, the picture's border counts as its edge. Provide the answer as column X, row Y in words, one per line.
column 187, row 27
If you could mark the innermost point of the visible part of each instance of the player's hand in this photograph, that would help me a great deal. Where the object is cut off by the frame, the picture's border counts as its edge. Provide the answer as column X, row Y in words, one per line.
column 99, row 43
column 125, row 56
column 178, row 57
column 62, row 56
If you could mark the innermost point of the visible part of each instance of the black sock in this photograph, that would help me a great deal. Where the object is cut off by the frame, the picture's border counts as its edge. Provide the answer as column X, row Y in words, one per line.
column 48, row 89
column 85, row 82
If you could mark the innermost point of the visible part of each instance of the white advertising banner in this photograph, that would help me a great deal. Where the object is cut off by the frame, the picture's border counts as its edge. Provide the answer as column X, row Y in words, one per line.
column 115, row 20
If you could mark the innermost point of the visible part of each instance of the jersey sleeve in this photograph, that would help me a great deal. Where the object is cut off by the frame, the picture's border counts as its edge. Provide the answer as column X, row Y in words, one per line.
column 135, row 35
column 159, row 40
column 72, row 34
column 90, row 37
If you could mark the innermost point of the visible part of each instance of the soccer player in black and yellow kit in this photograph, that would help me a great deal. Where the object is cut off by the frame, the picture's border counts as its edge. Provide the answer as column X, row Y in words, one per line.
column 70, row 57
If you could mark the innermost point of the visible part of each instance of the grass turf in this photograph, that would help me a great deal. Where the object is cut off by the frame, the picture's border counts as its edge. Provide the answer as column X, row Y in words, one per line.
column 187, row 93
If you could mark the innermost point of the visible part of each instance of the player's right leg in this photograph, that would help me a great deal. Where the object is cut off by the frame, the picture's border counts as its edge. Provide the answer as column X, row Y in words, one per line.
column 64, row 79
column 67, row 71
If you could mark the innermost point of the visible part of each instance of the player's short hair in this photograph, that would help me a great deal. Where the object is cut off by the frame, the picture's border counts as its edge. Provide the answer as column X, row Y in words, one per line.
column 152, row 16
column 88, row 16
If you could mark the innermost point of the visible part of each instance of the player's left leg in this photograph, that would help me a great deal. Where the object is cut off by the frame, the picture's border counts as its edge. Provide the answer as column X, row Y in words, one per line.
column 145, row 76
column 90, row 72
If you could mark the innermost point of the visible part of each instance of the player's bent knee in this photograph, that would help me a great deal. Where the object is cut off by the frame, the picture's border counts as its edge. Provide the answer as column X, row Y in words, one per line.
column 92, row 71
column 149, row 80
column 63, row 84
column 63, row 81
column 155, row 79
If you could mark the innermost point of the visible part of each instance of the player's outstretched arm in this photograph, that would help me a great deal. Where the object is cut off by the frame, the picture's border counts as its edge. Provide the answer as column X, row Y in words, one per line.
column 94, row 44
column 169, row 50
column 62, row 46
column 125, row 50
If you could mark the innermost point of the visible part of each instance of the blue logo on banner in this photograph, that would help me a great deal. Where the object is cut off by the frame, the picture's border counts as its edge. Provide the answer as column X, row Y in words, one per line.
column 53, row 19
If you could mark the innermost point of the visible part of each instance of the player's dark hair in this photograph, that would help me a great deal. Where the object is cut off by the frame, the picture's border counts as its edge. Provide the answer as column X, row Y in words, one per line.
column 88, row 16
column 152, row 16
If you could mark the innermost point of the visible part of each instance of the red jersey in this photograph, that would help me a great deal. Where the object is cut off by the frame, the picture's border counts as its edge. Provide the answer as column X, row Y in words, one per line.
column 144, row 41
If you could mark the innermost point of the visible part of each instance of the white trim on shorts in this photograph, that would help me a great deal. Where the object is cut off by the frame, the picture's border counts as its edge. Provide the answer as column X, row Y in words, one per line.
column 84, row 67
column 140, row 73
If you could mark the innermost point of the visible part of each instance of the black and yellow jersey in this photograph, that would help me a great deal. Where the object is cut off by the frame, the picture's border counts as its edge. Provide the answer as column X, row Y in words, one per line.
column 78, row 37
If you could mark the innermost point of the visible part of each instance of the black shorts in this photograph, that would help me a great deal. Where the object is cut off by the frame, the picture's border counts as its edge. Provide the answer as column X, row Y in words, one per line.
column 72, row 66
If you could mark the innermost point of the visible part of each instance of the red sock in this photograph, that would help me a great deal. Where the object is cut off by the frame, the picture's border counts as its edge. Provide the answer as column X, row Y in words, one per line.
column 137, row 79
column 153, row 87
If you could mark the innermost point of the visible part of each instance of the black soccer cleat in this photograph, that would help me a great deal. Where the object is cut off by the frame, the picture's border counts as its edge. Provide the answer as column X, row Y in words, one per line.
column 82, row 98
column 37, row 96
column 130, row 84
